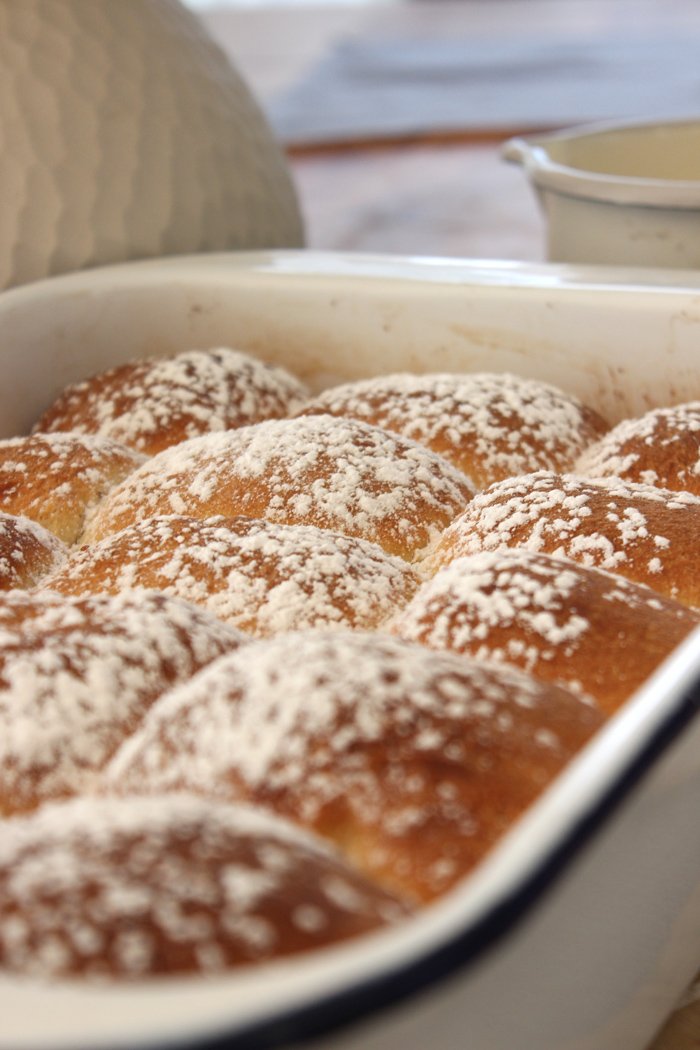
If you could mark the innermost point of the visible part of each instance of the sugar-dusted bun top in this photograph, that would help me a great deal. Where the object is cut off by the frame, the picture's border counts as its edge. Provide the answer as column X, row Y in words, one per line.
column 27, row 552
column 341, row 475
column 152, row 404
column 588, row 629
column 77, row 675
column 488, row 425
column 261, row 577
column 57, row 480
column 413, row 762
column 129, row 888
column 645, row 534
column 660, row 448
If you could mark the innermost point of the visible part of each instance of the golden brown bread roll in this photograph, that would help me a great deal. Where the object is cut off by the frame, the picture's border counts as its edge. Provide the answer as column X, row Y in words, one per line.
column 488, row 425
column 122, row 889
column 27, row 552
column 341, row 475
column 660, row 448
column 58, row 479
column 152, row 404
column 77, row 675
column 645, row 534
column 584, row 628
column 260, row 577
column 413, row 763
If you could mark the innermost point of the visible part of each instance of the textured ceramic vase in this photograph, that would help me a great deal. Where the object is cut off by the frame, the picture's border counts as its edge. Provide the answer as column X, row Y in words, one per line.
column 124, row 134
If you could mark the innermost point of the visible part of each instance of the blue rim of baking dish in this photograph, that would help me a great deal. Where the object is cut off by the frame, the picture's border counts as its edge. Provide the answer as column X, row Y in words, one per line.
column 339, row 1011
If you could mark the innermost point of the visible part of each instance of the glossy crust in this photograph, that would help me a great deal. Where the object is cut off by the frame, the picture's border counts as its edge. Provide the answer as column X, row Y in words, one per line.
column 341, row 475
column 584, row 628
column 27, row 552
column 660, row 448
column 152, row 404
column 78, row 674
column 126, row 889
column 413, row 763
column 489, row 425
column 645, row 534
column 260, row 577
column 57, row 480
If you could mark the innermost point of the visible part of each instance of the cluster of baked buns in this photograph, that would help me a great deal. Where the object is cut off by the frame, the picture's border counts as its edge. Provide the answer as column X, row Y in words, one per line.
column 278, row 669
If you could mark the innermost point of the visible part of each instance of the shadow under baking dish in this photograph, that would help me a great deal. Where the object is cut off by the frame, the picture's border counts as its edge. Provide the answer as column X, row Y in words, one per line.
column 581, row 929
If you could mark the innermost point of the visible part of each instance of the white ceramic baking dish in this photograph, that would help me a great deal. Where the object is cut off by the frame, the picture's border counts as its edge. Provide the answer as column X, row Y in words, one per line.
column 582, row 929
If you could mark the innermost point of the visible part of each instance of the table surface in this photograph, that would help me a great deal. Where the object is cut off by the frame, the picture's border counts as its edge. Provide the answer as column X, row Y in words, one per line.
column 439, row 195
column 450, row 196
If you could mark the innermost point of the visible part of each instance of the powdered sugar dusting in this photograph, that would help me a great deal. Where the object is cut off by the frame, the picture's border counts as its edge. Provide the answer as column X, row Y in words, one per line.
column 413, row 761
column 660, row 448
column 644, row 533
column 309, row 722
column 341, row 475
column 126, row 888
column 261, row 577
column 489, row 425
column 78, row 674
column 558, row 620
column 498, row 590
column 57, row 480
column 27, row 552
column 152, row 404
